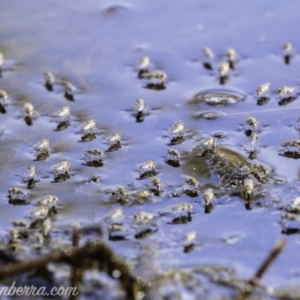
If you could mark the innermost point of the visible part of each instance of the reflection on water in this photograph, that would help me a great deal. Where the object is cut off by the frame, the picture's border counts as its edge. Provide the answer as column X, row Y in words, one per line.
column 92, row 50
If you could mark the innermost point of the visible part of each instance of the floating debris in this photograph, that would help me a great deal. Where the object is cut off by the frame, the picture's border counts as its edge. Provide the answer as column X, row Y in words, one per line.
column 114, row 142
column 49, row 81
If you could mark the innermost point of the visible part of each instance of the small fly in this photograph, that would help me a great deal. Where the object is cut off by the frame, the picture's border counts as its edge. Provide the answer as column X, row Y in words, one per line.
column 60, row 168
column 62, row 115
column 49, row 81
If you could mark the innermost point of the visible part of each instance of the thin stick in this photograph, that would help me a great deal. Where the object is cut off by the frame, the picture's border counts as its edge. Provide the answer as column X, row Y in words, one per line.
column 92, row 255
column 252, row 283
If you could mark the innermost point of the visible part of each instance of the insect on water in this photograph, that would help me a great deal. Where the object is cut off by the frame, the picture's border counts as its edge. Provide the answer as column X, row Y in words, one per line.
column 62, row 115
column 263, row 89
column 224, row 69
column 192, row 183
column 114, row 142
column 49, row 81
column 49, row 201
column 88, row 126
column 42, row 149
column 173, row 157
column 69, row 90
column 140, row 110
column 60, row 168
column 93, row 157
column 176, row 133
column 147, row 169
column 17, row 194
column 146, row 166
column 4, row 98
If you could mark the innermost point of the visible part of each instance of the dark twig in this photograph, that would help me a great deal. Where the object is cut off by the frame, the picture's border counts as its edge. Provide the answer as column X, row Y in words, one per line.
column 253, row 282
column 92, row 255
